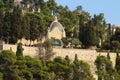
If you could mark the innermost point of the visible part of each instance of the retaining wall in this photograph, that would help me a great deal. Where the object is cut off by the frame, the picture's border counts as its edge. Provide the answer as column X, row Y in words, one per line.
column 83, row 54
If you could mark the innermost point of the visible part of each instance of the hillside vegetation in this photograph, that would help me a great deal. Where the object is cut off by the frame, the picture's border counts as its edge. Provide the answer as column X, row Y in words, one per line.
column 81, row 28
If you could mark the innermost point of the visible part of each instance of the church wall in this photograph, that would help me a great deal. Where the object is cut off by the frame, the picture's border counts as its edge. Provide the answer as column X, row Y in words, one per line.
column 56, row 33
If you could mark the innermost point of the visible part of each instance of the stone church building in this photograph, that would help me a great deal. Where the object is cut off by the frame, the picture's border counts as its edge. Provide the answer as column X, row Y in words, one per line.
column 56, row 31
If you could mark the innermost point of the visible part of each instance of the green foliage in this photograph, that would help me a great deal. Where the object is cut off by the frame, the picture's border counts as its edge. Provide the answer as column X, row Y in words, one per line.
column 16, row 24
column 113, row 43
column 7, row 57
column 48, row 45
column 32, row 26
column 65, row 42
column 11, row 68
column 1, row 76
column 5, row 4
column 1, row 23
column 7, row 26
column 19, row 51
column 52, row 5
column 66, row 22
column 116, row 36
column 76, row 43
column 104, row 68
column 106, row 45
column 25, row 28
column 36, row 25
column 71, row 42
column 82, row 71
column 91, row 29
column 46, row 50
column 71, row 71
column 78, row 24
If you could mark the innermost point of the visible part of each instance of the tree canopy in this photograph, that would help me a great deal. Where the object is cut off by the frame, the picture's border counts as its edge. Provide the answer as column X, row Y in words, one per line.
column 16, row 23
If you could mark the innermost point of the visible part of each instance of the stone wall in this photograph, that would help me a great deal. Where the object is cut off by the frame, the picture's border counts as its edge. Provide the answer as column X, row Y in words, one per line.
column 83, row 54
column 28, row 51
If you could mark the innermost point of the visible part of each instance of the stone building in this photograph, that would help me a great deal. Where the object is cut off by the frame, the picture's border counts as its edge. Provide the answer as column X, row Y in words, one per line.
column 56, row 31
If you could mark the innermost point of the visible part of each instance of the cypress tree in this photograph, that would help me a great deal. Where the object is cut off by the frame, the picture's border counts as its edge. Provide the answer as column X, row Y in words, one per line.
column 7, row 26
column 108, row 55
column 1, row 22
column 19, row 51
column 16, row 24
column 117, row 65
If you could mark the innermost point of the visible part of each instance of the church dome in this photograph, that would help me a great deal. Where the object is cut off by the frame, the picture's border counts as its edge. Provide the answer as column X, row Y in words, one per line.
column 56, row 24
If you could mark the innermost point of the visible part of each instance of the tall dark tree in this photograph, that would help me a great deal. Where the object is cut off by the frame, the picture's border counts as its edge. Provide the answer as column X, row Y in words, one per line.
column 100, row 25
column 25, row 33
column 83, row 27
column 1, row 23
column 90, row 34
column 16, row 24
column 91, row 29
column 117, row 63
column 34, row 32
column 37, row 26
column 7, row 26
